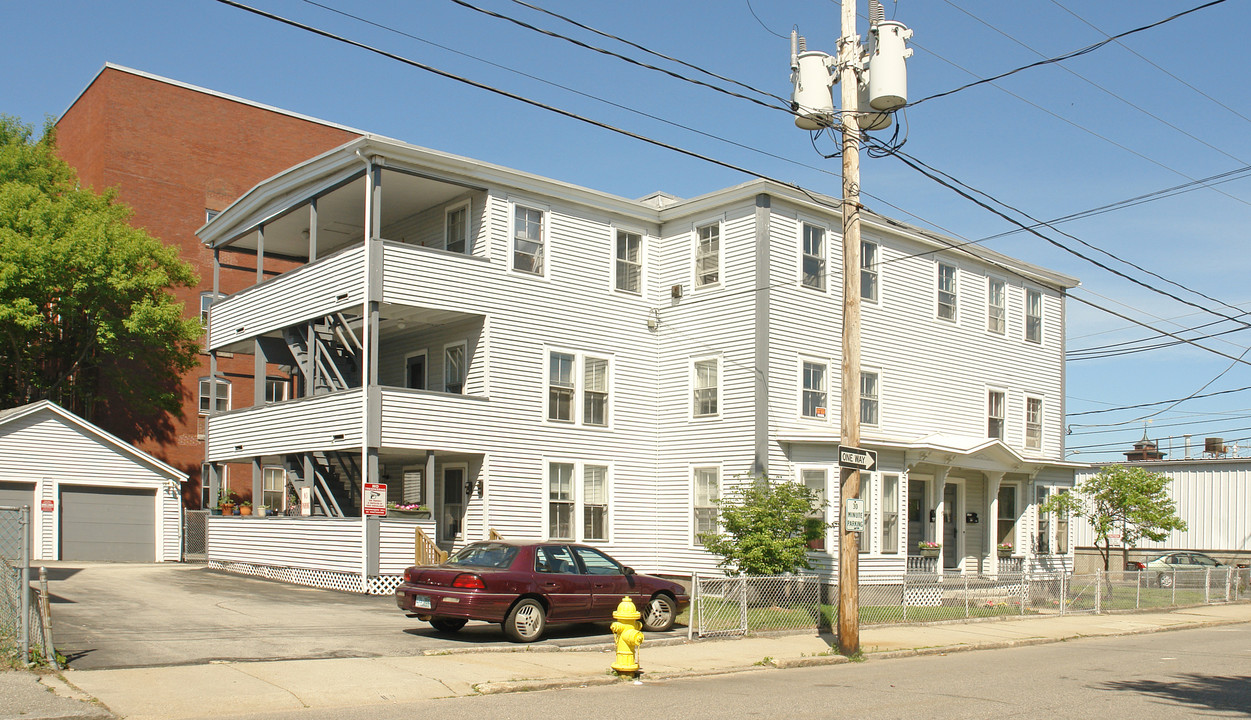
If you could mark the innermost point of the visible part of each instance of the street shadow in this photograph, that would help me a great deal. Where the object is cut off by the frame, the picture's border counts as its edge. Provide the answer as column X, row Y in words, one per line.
column 1222, row 693
column 61, row 573
column 71, row 657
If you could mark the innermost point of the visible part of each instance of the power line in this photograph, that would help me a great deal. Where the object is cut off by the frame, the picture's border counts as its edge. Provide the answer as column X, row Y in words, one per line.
column 1069, row 55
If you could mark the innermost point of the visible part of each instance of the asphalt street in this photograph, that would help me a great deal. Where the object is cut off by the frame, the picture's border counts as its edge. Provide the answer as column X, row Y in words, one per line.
column 1183, row 674
column 126, row 615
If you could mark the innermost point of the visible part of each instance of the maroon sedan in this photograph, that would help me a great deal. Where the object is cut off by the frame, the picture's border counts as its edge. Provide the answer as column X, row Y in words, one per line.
column 524, row 586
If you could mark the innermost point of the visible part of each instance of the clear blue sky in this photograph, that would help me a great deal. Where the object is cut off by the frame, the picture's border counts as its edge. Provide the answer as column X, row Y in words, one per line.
column 1050, row 141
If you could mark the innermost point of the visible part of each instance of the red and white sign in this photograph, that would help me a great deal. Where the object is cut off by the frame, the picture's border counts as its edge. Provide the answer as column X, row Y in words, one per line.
column 47, row 505
column 375, row 499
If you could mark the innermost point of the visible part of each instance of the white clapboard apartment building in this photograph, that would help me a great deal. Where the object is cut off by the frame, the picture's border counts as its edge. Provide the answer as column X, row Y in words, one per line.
column 542, row 360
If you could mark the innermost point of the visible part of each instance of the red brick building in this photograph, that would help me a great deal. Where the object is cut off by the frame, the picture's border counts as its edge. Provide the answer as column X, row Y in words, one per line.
column 176, row 153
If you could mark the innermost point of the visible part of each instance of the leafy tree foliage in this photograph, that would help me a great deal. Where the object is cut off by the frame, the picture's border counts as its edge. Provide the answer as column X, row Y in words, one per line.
column 766, row 528
column 85, row 305
column 1121, row 499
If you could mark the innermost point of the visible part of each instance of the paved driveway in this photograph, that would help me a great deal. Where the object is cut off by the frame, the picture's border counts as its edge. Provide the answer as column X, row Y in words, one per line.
column 112, row 615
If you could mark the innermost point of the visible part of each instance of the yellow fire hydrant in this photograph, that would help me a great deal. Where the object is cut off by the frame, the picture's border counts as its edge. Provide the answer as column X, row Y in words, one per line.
column 629, row 637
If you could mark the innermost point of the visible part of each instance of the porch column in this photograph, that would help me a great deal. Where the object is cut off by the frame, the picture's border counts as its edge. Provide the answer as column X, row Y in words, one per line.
column 312, row 230
column 993, row 479
column 428, row 479
column 937, row 496
column 258, row 482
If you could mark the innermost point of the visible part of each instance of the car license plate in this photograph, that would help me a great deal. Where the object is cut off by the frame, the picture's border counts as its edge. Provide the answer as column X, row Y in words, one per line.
column 421, row 601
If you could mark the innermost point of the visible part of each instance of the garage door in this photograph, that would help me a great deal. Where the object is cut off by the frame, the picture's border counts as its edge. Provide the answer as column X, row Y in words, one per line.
column 112, row 524
column 15, row 495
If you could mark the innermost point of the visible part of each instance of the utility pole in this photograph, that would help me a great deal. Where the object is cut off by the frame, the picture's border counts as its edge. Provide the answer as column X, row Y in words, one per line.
column 849, row 421
column 878, row 81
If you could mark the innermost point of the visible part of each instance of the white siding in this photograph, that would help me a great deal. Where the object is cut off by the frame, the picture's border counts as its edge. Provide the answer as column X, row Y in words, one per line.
column 328, row 285
column 310, row 543
column 305, row 425
column 397, row 543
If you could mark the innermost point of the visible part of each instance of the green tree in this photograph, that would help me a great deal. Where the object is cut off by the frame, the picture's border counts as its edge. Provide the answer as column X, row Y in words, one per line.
column 765, row 528
column 85, row 302
column 1121, row 499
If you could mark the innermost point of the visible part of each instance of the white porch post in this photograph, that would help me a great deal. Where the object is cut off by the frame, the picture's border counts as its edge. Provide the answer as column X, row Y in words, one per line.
column 993, row 479
column 937, row 496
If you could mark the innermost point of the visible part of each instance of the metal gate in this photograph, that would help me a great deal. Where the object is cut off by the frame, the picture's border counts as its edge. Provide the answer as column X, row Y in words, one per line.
column 25, row 631
column 195, row 535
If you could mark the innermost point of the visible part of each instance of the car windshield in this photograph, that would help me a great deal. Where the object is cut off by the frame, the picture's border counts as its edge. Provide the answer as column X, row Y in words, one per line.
column 491, row 555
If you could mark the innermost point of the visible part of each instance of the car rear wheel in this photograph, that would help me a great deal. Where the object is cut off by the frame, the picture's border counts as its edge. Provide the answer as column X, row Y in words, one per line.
column 447, row 625
column 1166, row 580
column 660, row 614
column 525, row 621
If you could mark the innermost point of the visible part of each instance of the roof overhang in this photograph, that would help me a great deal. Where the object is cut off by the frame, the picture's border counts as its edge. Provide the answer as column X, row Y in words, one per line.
column 986, row 455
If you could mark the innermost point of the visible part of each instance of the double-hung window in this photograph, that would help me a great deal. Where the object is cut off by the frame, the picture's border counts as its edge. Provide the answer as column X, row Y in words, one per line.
column 890, row 514
column 707, row 492
column 1042, row 540
column 1033, row 316
column 577, row 501
column 629, row 262
column 946, row 291
column 560, row 501
column 1006, row 522
column 996, row 306
column 563, row 402
column 276, row 389
column 1033, row 423
column 708, row 254
column 206, row 301
column 813, row 273
column 868, row 490
column 272, row 495
column 869, row 273
column 814, row 479
column 814, row 393
column 706, row 387
column 868, row 398
column 454, row 368
column 528, row 240
column 210, row 401
column 1062, row 528
column 994, row 414
column 456, row 229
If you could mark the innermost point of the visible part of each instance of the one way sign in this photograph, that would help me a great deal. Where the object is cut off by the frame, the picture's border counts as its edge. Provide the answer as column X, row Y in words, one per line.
column 856, row 458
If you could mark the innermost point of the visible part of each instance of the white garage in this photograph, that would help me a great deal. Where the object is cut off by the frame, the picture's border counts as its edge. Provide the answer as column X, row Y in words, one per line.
column 92, row 496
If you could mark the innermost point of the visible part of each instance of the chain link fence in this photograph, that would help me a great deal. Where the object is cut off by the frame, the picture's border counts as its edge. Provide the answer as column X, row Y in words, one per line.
column 741, row 605
column 25, row 631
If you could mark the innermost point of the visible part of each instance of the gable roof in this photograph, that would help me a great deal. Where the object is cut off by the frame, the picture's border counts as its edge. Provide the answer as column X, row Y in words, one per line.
column 12, row 414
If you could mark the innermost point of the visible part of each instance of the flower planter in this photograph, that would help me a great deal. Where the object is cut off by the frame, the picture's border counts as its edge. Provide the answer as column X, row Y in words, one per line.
column 1005, row 552
column 414, row 514
column 930, row 552
column 245, row 509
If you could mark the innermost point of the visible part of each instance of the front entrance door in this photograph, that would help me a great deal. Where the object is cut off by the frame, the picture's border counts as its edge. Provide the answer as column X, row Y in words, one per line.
column 951, row 534
column 453, row 503
column 916, row 515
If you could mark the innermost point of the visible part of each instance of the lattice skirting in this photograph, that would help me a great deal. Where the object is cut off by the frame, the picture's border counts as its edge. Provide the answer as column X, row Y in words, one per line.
column 325, row 579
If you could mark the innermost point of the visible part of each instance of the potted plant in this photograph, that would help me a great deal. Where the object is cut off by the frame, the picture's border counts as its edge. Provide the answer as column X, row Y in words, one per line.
column 929, row 549
column 413, row 510
column 262, row 510
column 226, row 502
column 1005, row 549
column 245, row 507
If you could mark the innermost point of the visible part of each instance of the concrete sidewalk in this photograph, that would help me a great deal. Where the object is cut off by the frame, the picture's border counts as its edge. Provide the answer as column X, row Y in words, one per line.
column 220, row 689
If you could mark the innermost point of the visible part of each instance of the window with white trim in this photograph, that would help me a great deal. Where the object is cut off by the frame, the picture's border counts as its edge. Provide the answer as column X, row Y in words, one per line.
column 996, row 306
column 456, row 229
column 594, row 502
column 273, row 495
column 528, row 239
column 578, row 501
column 869, row 398
column 214, row 402
column 815, row 479
column 1042, row 535
column 1062, row 527
column 560, row 501
column 868, row 495
column 708, row 254
column 276, row 389
column 869, row 273
column 629, row 268
column 946, row 291
column 1006, row 522
column 454, row 368
column 813, row 270
column 890, row 514
column 1033, row 316
column 815, row 395
column 566, row 396
column 994, row 414
column 1033, row 423
column 206, row 301
column 707, row 491
column 706, row 386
